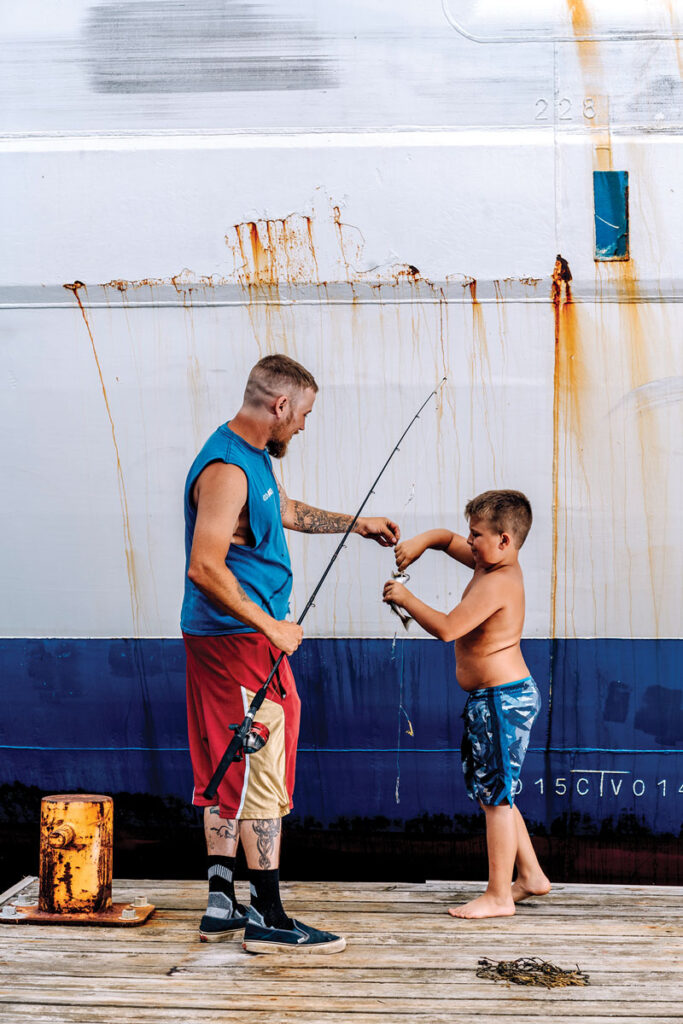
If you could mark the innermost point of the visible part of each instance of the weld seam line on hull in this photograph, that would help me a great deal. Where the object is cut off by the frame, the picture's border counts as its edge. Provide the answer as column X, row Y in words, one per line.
column 333, row 137
column 577, row 300
column 364, row 750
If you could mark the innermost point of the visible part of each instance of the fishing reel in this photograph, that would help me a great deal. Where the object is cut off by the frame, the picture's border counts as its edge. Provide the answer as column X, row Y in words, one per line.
column 256, row 738
column 400, row 577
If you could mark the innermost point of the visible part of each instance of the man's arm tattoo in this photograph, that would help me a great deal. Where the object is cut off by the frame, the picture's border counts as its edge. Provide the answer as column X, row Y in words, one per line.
column 316, row 520
column 267, row 832
column 284, row 500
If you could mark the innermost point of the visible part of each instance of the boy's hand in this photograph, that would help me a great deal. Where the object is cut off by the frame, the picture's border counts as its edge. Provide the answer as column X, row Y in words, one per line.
column 384, row 531
column 407, row 552
column 395, row 593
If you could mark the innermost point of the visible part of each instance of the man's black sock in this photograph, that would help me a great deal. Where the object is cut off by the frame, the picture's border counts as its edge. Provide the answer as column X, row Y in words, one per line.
column 221, row 872
column 265, row 898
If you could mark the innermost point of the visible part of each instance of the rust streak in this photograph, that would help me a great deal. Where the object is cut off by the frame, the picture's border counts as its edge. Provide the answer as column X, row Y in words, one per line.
column 560, row 294
column 580, row 16
column 482, row 362
column 75, row 288
column 340, row 235
column 638, row 341
column 589, row 56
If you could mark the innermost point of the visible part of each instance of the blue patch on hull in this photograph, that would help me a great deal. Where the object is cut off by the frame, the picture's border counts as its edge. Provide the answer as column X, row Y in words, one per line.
column 605, row 752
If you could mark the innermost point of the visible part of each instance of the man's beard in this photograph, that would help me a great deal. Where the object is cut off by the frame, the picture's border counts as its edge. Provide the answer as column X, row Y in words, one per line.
column 276, row 448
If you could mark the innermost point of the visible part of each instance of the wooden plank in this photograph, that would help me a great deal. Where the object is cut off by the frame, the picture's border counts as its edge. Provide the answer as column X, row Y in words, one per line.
column 207, row 959
column 535, row 909
column 28, row 1014
column 419, row 932
column 380, row 950
column 431, row 902
column 230, row 956
column 135, row 965
column 382, row 918
column 467, row 986
column 385, row 924
column 571, row 889
column 181, row 996
column 559, row 890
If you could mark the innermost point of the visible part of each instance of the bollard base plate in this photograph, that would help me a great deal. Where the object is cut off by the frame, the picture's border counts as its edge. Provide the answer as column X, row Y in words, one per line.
column 111, row 917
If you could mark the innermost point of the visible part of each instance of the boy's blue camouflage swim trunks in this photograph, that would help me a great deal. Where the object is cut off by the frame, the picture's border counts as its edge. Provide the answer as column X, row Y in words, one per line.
column 498, row 721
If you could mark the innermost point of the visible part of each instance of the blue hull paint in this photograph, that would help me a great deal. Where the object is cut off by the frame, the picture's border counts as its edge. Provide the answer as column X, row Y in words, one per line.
column 606, row 752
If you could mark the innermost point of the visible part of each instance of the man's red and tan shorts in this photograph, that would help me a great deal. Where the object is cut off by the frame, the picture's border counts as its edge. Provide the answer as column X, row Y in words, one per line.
column 223, row 675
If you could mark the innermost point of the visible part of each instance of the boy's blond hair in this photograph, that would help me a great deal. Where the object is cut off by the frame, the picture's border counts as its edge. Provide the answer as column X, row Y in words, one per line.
column 504, row 511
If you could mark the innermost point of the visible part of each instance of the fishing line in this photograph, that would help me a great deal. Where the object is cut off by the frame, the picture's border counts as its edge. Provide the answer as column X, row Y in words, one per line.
column 402, row 713
column 239, row 745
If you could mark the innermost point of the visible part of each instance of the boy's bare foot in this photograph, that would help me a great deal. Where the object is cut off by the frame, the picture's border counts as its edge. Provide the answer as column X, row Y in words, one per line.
column 484, row 906
column 522, row 888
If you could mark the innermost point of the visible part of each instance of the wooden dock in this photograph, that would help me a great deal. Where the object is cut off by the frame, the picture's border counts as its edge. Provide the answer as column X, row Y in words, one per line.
column 406, row 960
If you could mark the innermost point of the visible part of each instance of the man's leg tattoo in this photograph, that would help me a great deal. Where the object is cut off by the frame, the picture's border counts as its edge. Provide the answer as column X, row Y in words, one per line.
column 267, row 835
column 222, row 834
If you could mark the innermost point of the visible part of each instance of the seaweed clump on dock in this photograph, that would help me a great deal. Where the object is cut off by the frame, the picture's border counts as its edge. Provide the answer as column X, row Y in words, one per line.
column 531, row 971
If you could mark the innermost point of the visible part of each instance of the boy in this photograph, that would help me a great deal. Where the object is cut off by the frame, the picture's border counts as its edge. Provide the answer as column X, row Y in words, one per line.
column 503, row 699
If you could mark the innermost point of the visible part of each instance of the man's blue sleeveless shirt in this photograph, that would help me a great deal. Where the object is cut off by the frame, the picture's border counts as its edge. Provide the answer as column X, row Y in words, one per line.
column 263, row 569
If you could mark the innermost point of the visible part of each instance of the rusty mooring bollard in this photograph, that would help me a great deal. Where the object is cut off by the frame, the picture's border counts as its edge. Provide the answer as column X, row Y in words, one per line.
column 76, row 834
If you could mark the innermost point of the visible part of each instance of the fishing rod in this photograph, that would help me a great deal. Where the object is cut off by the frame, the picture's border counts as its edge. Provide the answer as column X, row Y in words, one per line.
column 250, row 736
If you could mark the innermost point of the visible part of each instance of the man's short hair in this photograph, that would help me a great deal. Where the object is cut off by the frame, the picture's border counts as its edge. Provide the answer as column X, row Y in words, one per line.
column 504, row 511
column 276, row 375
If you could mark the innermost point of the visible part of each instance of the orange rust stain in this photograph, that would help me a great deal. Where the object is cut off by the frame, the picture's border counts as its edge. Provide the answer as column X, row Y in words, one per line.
column 652, row 472
column 673, row 9
column 481, row 364
column 122, row 284
column 591, row 66
column 582, row 23
column 581, row 362
column 148, row 282
column 570, row 392
column 75, row 287
column 446, row 371
column 275, row 252
column 183, row 284
column 501, row 313
column 406, row 272
column 564, row 387
column 270, row 254
column 336, row 212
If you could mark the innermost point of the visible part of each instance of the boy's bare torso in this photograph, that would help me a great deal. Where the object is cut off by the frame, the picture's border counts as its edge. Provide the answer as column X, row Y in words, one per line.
column 490, row 655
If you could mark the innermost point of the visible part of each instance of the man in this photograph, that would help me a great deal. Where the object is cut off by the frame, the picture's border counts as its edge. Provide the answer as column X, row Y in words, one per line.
column 237, row 588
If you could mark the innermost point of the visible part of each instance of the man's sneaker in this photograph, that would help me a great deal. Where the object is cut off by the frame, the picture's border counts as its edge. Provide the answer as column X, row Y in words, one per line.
column 222, row 918
column 301, row 938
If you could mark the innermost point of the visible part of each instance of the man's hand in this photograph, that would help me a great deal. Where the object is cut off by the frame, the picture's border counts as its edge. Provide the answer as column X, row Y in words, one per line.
column 285, row 635
column 384, row 531
column 407, row 552
column 395, row 593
